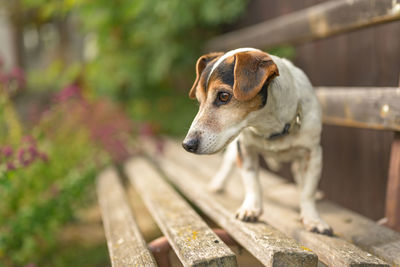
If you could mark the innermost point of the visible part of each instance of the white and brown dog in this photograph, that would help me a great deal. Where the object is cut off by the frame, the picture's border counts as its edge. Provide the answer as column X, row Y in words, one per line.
column 266, row 106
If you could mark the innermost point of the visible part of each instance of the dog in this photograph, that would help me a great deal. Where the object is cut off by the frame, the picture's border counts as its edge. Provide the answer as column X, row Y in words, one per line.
column 254, row 103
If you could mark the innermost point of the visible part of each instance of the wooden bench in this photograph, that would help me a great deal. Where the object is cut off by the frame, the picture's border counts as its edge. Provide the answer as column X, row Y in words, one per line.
column 167, row 183
column 358, row 241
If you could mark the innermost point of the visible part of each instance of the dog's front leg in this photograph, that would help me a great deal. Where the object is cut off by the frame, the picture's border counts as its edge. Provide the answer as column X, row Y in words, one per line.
column 308, row 174
column 251, row 207
column 219, row 181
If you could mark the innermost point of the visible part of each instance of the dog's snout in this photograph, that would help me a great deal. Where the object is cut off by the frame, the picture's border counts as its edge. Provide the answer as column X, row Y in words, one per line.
column 191, row 145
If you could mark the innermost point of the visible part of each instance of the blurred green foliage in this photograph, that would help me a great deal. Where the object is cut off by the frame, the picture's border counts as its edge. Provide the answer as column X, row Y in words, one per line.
column 285, row 51
column 40, row 196
column 141, row 54
column 147, row 51
column 147, row 45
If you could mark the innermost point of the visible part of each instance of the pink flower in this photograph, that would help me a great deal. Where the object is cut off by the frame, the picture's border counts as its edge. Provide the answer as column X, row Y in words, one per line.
column 7, row 151
column 33, row 151
column 146, row 130
column 19, row 76
column 24, row 157
column 3, row 78
column 68, row 92
column 10, row 166
column 29, row 140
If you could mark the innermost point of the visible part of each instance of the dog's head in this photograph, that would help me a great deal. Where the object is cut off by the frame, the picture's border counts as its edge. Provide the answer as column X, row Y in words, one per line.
column 228, row 88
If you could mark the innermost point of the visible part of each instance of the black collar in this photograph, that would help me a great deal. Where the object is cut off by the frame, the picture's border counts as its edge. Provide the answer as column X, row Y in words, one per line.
column 289, row 127
column 284, row 132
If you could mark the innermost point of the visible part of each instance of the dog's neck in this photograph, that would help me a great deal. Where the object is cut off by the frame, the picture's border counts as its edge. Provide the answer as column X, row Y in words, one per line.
column 271, row 134
column 289, row 128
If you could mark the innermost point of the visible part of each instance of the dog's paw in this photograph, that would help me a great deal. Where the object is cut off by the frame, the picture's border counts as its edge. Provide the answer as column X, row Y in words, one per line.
column 249, row 212
column 317, row 225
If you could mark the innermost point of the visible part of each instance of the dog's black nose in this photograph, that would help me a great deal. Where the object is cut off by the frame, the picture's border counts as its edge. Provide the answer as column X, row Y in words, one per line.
column 191, row 145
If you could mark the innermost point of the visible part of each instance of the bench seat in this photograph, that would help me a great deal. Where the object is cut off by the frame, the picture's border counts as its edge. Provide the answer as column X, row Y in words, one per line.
column 278, row 239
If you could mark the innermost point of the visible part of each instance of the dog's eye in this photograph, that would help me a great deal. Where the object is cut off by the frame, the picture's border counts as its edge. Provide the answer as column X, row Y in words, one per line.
column 224, row 97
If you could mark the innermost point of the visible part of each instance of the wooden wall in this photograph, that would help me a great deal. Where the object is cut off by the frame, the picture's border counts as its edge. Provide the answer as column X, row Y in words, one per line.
column 355, row 161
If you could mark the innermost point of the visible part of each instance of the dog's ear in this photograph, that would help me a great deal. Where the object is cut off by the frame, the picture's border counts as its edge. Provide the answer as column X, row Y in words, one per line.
column 200, row 66
column 252, row 70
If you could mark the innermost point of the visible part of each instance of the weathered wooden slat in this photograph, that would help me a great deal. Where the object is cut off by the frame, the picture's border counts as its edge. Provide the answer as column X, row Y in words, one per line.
column 378, row 240
column 392, row 211
column 193, row 241
column 268, row 245
column 348, row 225
column 281, row 211
column 319, row 21
column 125, row 244
column 372, row 108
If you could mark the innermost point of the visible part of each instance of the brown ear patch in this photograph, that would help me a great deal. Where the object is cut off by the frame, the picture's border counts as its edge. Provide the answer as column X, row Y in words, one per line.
column 200, row 66
column 252, row 70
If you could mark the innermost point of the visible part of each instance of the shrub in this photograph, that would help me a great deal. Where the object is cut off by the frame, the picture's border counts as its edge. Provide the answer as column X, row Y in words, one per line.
column 46, row 176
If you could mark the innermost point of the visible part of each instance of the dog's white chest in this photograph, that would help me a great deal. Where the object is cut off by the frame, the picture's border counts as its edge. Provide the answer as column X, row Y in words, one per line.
column 286, row 155
column 283, row 149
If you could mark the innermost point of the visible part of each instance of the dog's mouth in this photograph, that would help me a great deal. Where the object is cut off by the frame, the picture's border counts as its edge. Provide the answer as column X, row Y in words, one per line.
column 226, row 143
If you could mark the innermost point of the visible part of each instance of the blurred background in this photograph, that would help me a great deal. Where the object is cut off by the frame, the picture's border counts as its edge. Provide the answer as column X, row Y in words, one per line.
column 83, row 82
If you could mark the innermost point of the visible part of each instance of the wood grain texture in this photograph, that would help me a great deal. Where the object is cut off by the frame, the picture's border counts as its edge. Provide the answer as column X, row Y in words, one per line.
column 372, row 108
column 125, row 243
column 192, row 240
column 316, row 22
column 267, row 244
column 281, row 211
column 393, row 186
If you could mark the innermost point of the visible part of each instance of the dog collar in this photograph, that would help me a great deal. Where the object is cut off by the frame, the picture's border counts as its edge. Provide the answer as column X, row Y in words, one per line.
column 289, row 127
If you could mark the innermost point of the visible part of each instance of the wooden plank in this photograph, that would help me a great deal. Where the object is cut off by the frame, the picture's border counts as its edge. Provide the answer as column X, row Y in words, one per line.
column 372, row 108
column 281, row 211
column 125, row 243
column 348, row 225
column 332, row 251
column 319, row 21
column 363, row 232
column 268, row 245
column 392, row 212
column 193, row 241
